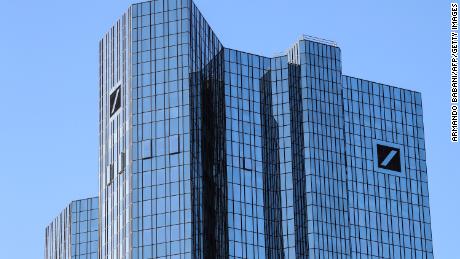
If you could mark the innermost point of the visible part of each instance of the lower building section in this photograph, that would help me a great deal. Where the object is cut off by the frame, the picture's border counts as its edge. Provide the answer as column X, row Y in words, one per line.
column 74, row 233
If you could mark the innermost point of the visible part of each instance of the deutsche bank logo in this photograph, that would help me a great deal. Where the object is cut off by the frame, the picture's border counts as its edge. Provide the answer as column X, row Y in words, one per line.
column 115, row 101
column 388, row 157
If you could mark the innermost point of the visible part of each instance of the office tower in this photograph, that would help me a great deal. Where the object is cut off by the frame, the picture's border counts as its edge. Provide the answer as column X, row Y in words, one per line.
column 386, row 168
column 74, row 233
column 210, row 152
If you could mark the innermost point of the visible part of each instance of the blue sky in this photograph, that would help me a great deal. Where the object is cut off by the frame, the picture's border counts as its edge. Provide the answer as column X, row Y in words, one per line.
column 49, row 92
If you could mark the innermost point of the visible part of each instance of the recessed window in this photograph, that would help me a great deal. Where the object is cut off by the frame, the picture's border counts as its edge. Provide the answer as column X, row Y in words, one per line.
column 247, row 164
column 122, row 162
column 109, row 174
column 146, row 149
column 174, row 143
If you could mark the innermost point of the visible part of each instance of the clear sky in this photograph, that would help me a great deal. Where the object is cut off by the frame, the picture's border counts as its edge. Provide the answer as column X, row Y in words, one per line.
column 49, row 92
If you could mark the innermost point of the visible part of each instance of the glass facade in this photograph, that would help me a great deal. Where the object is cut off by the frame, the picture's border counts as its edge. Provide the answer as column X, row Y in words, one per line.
column 74, row 233
column 389, row 209
column 324, row 142
column 210, row 152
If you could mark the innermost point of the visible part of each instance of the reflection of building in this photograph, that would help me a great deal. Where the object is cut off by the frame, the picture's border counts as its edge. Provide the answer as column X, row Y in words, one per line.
column 74, row 233
column 209, row 152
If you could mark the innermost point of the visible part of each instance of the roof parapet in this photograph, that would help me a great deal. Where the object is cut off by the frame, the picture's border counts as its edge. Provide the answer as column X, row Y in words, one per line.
column 308, row 38
column 319, row 40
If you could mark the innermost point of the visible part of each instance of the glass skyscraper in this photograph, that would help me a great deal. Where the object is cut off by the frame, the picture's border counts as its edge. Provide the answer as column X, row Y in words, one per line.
column 74, row 233
column 210, row 152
